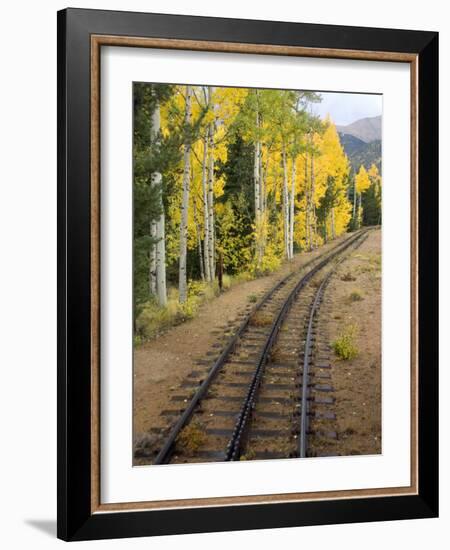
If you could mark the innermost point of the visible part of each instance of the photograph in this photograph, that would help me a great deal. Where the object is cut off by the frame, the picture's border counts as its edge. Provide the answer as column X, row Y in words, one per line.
column 247, row 273
column 257, row 273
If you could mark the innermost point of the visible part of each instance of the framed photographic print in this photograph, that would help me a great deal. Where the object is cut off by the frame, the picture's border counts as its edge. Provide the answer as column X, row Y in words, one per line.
column 247, row 274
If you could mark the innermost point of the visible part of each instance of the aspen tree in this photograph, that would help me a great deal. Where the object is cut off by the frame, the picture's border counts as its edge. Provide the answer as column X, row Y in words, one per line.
column 206, row 243
column 158, row 254
column 362, row 182
column 182, row 283
column 285, row 203
column 292, row 209
column 211, row 245
column 199, row 240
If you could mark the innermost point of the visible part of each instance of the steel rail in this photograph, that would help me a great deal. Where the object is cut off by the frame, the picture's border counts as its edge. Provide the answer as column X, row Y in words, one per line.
column 242, row 422
column 306, row 357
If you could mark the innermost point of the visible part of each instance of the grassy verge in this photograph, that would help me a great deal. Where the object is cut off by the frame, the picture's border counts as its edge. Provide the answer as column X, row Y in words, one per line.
column 153, row 319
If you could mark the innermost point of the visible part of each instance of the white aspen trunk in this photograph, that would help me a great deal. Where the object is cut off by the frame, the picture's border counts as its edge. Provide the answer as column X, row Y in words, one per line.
column 313, row 206
column 354, row 204
column 307, row 193
column 257, row 188
column 261, row 182
column 360, row 211
column 257, row 182
column 211, row 243
column 182, row 283
column 152, row 266
column 292, row 211
column 161, row 289
column 205, row 207
column 263, row 205
column 285, row 204
column 211, row 246
column 158, row 258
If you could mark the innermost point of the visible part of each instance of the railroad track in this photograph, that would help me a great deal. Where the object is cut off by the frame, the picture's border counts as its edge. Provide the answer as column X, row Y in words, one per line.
column 255, row 400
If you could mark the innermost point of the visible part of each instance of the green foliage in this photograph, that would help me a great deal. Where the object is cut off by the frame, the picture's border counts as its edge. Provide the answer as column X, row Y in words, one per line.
column 344, row 346
column 356, row 296
column 148, row 157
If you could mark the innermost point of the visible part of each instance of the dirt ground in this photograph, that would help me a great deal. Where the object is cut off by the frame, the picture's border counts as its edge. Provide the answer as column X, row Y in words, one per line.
column 161, row 364
column 355, row 300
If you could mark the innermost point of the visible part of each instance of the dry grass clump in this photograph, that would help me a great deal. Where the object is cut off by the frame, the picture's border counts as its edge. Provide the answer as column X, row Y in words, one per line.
column 261, row 319
column 191, row 437
column 252, row 298
column 345, row 346
column 347, row 277
column 249, row 455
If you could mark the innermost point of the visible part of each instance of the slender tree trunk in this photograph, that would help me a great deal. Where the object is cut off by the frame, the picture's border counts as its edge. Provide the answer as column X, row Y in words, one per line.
column 292, row 210
column 307, row 197
column 211, row 247
column 161, row 260
column 359, row 211
column 152, row 264
column 258, row 209
column 158, row 254
column 285, row 204
column 313, row 206
column 355, row 223
column 264, row 190
column 182, row 283
column 256, row 180
column 205, row 207
column 257, row 189
column 333, row 224
column 261, row 182
column 199, row 241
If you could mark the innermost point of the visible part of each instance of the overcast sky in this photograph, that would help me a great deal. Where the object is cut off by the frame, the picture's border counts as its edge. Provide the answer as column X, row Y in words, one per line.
column 345, row 108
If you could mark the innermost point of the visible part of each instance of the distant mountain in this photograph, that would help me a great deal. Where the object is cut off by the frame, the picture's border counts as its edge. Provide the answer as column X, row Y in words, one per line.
column 365, row 129
column 359, row 152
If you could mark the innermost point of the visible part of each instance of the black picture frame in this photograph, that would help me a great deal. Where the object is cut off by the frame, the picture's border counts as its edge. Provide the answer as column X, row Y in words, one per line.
column 75, row 518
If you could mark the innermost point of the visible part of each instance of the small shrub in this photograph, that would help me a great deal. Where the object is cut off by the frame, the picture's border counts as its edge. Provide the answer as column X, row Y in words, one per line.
column 191, row 437
column 252, row 298
column 348, row 277
column 344, row 346
column 356, row 296
column 227, row 282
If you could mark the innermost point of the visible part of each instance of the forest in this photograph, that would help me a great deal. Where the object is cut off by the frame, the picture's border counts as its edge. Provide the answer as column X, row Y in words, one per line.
column 228, row 183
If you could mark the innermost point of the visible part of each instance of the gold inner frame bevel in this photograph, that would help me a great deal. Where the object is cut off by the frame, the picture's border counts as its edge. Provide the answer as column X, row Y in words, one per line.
column 97, row 41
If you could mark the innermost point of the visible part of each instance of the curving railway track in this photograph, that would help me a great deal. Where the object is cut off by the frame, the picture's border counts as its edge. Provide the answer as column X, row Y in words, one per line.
column 270, row 382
